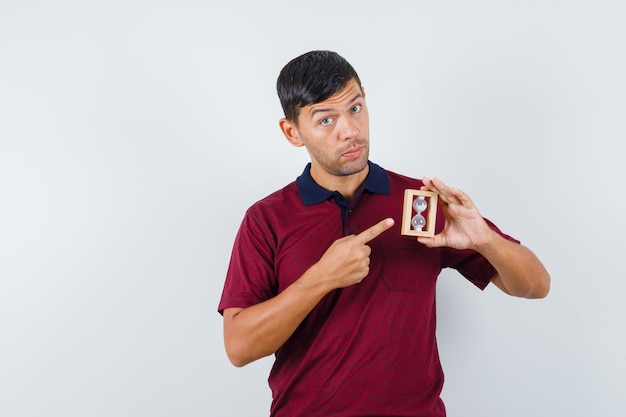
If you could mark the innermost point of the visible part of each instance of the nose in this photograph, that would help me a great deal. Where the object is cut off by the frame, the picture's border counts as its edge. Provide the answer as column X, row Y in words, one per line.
column 349, row 128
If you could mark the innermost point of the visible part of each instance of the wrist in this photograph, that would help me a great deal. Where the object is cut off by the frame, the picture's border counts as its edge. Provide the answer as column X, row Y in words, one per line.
column 488, row 243
column 315, row 281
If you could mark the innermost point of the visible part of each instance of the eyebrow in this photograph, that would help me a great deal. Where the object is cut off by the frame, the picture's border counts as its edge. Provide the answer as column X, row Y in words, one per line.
column 321, row 110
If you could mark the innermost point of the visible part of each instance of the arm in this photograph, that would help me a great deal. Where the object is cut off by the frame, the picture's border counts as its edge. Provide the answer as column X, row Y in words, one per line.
column 260, row 330
column 519, row 271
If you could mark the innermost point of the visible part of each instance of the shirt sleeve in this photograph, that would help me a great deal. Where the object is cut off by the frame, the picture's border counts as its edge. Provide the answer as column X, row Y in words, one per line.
column 472, row 265
column 250, row 278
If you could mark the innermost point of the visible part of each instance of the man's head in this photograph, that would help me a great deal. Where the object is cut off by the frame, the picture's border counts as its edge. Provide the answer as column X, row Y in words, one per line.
column 312, row 78
column 325, row 112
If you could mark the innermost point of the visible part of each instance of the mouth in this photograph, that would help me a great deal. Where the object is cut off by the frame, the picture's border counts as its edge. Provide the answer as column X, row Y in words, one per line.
column 353, row 152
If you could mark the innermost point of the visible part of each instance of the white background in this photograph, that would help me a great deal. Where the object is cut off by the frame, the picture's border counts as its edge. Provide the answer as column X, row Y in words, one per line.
column 134, row 135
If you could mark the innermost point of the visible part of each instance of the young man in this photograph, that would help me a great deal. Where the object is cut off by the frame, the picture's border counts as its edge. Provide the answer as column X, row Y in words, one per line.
column 321, row 277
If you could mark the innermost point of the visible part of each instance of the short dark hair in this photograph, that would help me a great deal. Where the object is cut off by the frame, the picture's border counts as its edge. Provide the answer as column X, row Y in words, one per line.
column 312, row 78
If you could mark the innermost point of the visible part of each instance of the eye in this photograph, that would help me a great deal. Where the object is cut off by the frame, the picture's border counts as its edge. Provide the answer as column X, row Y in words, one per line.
column 356, row 108
column 326, row 121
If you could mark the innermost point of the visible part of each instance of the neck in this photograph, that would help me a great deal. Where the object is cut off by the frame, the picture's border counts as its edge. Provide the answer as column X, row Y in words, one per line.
column 347, row 185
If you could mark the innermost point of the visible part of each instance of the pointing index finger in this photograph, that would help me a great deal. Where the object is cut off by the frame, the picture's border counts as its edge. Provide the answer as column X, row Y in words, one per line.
column 369, row 234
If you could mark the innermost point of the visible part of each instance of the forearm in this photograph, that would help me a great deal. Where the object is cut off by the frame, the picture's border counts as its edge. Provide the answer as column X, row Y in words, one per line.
column 260, row 330
column 520, row 273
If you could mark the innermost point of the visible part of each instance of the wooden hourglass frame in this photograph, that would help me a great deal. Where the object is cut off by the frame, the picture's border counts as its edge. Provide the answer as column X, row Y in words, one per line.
column 429, row 213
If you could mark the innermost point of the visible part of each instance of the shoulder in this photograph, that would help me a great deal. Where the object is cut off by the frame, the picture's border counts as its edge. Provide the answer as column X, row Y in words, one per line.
column 401, row 178
column 380, row 175
column 286, row 195
column 400, row 181
column 275, row 207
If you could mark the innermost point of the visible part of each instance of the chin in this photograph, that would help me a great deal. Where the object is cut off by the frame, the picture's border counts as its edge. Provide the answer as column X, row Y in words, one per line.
column 352, row 168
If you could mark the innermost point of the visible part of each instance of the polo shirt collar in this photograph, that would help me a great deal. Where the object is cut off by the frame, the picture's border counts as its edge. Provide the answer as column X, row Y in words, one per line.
column 311, row 192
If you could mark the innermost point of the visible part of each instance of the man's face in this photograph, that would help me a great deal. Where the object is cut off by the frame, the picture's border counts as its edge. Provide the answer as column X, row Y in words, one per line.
column 335, row 132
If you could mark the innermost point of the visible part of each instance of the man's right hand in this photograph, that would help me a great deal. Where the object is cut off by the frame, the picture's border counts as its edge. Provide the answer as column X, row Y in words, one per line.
column 346, row 262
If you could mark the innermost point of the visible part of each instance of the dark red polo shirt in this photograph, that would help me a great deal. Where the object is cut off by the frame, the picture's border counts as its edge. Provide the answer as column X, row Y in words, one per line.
column 364, row 350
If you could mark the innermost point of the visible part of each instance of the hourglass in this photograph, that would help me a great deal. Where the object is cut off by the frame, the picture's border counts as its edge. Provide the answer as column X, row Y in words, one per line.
column 419, row 213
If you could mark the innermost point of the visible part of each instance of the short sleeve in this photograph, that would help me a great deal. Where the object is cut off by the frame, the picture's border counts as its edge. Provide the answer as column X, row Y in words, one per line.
column 472, row 265
column 250, row 278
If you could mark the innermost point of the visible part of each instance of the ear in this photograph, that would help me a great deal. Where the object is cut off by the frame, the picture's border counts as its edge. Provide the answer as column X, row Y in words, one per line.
column 290, row 131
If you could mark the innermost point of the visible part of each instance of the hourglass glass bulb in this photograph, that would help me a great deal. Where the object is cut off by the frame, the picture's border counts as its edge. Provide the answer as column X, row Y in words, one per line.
column 418, row 222
column 419, row 204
